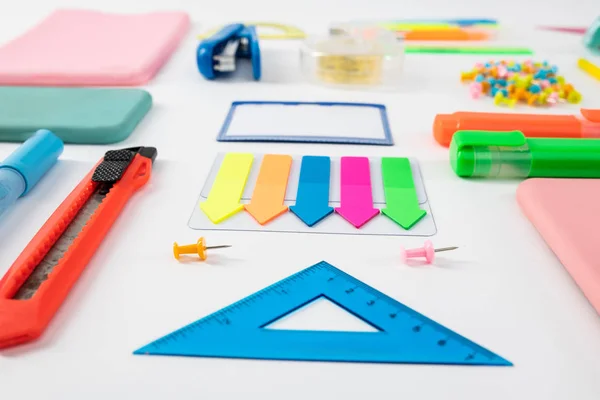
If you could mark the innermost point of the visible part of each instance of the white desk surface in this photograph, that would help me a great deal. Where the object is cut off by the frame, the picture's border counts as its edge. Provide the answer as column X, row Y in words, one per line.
column 503, row 288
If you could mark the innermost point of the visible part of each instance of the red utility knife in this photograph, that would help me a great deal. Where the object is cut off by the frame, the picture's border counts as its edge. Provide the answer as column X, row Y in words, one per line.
column 39, row 280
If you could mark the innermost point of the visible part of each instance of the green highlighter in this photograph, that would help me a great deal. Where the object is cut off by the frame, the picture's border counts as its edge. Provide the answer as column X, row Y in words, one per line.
column 485, row 154
column 467, row 50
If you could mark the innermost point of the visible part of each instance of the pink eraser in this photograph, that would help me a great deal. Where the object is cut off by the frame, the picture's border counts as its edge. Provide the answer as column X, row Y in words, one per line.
column 91, row 48
column 565, row 213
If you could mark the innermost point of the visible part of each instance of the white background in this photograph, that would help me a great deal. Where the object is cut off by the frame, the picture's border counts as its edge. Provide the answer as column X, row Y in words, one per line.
column 503, row 288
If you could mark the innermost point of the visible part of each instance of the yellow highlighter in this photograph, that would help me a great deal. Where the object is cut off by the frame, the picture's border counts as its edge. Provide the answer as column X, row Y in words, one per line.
column 590, row 68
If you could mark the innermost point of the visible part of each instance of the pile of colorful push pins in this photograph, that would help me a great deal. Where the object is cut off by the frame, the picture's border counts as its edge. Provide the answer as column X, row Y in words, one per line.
column 509, row 82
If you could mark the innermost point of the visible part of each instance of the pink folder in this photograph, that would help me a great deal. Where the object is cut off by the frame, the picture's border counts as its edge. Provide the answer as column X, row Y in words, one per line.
column 90, row 48
column 566, row 212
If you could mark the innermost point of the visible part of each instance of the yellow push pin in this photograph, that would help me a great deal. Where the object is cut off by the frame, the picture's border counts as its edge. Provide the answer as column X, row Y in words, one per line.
column 199, row 248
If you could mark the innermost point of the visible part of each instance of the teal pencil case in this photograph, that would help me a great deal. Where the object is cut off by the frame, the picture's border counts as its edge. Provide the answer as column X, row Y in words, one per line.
column 76, row 115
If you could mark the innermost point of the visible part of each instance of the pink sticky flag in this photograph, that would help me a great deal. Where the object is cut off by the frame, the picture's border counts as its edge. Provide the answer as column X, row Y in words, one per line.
column 356, row 196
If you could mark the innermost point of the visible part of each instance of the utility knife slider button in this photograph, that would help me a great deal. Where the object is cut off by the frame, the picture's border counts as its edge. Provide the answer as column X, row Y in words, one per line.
column 113, row 166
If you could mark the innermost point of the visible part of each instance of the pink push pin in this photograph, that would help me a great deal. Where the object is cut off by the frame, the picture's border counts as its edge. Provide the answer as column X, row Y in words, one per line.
column 476, row 90
column 502, row 71
column 552, row 98
column 427, row 251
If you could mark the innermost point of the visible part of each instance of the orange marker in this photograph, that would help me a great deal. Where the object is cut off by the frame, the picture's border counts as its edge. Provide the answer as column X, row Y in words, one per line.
column 532, row 125
column 446, row 34
column 269, row 193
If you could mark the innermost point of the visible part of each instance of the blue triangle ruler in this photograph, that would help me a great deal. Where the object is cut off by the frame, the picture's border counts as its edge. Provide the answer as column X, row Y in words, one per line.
column 404, row 336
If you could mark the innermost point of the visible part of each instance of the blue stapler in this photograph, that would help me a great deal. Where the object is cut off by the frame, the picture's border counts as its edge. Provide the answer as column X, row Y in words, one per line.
column 217, row 54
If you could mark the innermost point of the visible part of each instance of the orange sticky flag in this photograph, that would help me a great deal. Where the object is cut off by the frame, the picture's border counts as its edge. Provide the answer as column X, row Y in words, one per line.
column 269, row 193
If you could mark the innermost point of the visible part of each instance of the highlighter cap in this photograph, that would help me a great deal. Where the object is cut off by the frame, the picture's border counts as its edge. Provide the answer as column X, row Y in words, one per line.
column 444, row 126
column 35, row 157
column 485, row 154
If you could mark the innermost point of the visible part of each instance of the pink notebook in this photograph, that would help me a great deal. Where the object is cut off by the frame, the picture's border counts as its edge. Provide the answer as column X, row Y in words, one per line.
column 90, row 48
column 566, row 212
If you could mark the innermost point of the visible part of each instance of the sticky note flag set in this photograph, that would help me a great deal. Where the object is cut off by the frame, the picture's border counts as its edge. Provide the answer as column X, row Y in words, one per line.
column 324, row 195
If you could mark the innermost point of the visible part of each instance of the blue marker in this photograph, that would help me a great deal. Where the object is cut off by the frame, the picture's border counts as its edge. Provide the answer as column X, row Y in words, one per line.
column 312, row 199
column 26, row 166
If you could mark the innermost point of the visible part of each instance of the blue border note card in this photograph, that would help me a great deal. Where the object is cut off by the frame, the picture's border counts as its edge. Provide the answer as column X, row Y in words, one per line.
column 306, row 122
